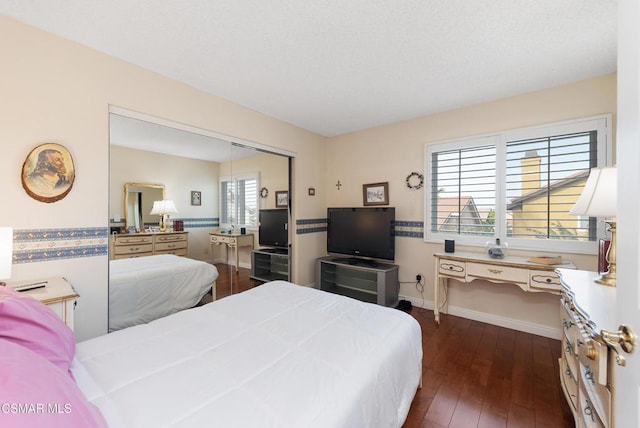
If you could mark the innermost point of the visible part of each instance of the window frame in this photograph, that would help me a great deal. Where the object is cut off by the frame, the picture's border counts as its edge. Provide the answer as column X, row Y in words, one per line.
column 222, row 199
column 601, row 123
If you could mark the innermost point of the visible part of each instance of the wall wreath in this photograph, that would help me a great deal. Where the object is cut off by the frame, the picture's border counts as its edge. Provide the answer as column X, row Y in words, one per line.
column 264, row 192
column 415, row 181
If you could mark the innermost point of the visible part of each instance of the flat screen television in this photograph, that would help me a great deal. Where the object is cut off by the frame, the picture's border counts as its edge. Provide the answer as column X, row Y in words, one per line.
column 367, row 233
column 273, row 228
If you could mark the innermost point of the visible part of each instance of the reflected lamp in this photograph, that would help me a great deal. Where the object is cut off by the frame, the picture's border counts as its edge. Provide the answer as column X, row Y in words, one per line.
column 163, row 208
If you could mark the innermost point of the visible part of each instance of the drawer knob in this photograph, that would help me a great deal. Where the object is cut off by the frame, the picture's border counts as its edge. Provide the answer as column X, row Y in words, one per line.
column 622, row 340
column 591, row 350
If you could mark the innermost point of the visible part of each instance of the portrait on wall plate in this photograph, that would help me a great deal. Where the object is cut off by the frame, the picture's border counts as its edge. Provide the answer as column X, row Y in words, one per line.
column 48, row 173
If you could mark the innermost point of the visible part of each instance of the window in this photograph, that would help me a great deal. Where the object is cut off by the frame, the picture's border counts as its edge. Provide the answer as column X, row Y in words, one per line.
column 239, row 201
column 518, row 185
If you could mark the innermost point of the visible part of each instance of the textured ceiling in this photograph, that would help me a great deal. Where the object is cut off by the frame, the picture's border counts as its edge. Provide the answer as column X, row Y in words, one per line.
column 336, row 66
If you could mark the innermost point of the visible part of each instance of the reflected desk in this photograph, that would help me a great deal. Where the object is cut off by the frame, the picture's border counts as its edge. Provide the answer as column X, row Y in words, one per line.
column 467, row 267
column 231, row 240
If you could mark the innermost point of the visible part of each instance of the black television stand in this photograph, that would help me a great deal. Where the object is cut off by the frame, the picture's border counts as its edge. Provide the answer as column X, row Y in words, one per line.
column 373, row 284
column 357, row 261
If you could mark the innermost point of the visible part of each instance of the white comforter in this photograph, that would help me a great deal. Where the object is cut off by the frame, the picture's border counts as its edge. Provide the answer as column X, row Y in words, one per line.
column 143, row 289
column 279, row 355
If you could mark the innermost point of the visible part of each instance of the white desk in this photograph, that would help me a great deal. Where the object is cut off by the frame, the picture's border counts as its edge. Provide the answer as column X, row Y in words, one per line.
column 467, row 267
column 231, row 240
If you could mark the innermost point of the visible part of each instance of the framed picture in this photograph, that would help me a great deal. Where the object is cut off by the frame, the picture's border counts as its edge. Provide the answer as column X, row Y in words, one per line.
column 375, row 194
column 48, row 173
column 282, row 198
column 196, row 198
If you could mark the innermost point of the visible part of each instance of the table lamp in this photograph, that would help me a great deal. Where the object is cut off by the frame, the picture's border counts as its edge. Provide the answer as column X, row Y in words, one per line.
column 163, row 208
column 599, row 199
column 6, row 253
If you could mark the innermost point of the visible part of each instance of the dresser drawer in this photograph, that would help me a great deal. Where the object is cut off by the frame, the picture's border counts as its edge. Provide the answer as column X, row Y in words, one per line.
column 173, row 237
column 588, row 411
column 176, row 252
column 134, row 249
column 497, row 273
column 569, row 383
column 593, row 355
column 546, row 281
column 163, row 246
column 453, row 268
column 131, row 240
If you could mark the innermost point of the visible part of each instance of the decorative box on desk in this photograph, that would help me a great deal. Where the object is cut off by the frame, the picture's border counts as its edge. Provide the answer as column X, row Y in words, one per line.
column 586, row 362
column 56, row 293
column 359, row 279
column 467, row 267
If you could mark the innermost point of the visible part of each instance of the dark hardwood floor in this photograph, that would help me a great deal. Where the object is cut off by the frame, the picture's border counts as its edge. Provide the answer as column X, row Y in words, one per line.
column 474, row 374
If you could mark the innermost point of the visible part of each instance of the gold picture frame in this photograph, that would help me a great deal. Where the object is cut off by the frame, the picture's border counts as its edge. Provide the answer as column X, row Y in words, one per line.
column 48, row 172
column 375, row 194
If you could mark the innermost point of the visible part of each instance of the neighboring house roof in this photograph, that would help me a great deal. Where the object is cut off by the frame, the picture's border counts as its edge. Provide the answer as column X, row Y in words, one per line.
column 449, row 208
column 558, row 184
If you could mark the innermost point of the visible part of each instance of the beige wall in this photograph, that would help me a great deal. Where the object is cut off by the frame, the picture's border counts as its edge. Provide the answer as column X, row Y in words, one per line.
column 56, row 90
column 180, row 176
column 390, row 153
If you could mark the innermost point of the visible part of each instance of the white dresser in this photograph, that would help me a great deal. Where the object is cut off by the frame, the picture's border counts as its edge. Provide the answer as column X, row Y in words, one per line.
column 148, row 244
column 587, row 363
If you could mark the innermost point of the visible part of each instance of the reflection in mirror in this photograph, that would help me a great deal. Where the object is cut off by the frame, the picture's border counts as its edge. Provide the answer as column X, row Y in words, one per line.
column 146, row 150
column 138, row 201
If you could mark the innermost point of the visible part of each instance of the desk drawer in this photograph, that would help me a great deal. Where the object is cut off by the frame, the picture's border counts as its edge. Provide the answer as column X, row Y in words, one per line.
column 452, row 268
column 222, row 240
column 540, row 280
column 497, row 273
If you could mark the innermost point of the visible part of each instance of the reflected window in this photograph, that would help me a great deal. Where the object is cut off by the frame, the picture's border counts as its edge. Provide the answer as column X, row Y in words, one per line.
column 239, row 201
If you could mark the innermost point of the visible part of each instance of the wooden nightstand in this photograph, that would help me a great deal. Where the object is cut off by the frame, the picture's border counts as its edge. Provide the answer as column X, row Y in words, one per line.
column 57, row 294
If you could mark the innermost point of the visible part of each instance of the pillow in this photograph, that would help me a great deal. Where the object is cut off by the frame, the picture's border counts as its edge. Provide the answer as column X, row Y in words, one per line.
column 29, row 323
column 35, row 393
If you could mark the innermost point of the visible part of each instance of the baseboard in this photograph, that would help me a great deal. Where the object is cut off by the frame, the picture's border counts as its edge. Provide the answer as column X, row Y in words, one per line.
column 527, row 327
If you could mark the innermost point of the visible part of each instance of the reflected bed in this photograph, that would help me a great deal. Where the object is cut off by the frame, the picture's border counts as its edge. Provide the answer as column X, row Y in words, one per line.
column 143, row 289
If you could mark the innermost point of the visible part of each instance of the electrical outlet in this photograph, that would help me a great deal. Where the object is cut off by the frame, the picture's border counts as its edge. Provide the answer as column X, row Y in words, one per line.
column 418, row 278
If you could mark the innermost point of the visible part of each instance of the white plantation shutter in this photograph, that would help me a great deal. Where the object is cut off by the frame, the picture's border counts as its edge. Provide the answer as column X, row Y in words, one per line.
column 518, row 185
column 239, row 201
column 544, row 178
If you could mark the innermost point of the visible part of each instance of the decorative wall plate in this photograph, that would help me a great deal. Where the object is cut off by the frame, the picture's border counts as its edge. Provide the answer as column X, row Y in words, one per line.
column 48, row 173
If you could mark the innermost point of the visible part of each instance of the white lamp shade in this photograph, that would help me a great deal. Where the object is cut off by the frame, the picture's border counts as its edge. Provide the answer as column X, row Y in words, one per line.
column 6, row 252
column 163, row 207
column 599, row 196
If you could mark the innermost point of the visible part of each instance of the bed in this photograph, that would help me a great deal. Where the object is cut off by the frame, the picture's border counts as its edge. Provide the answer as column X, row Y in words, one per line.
column 143, row 289
column 278, row 355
